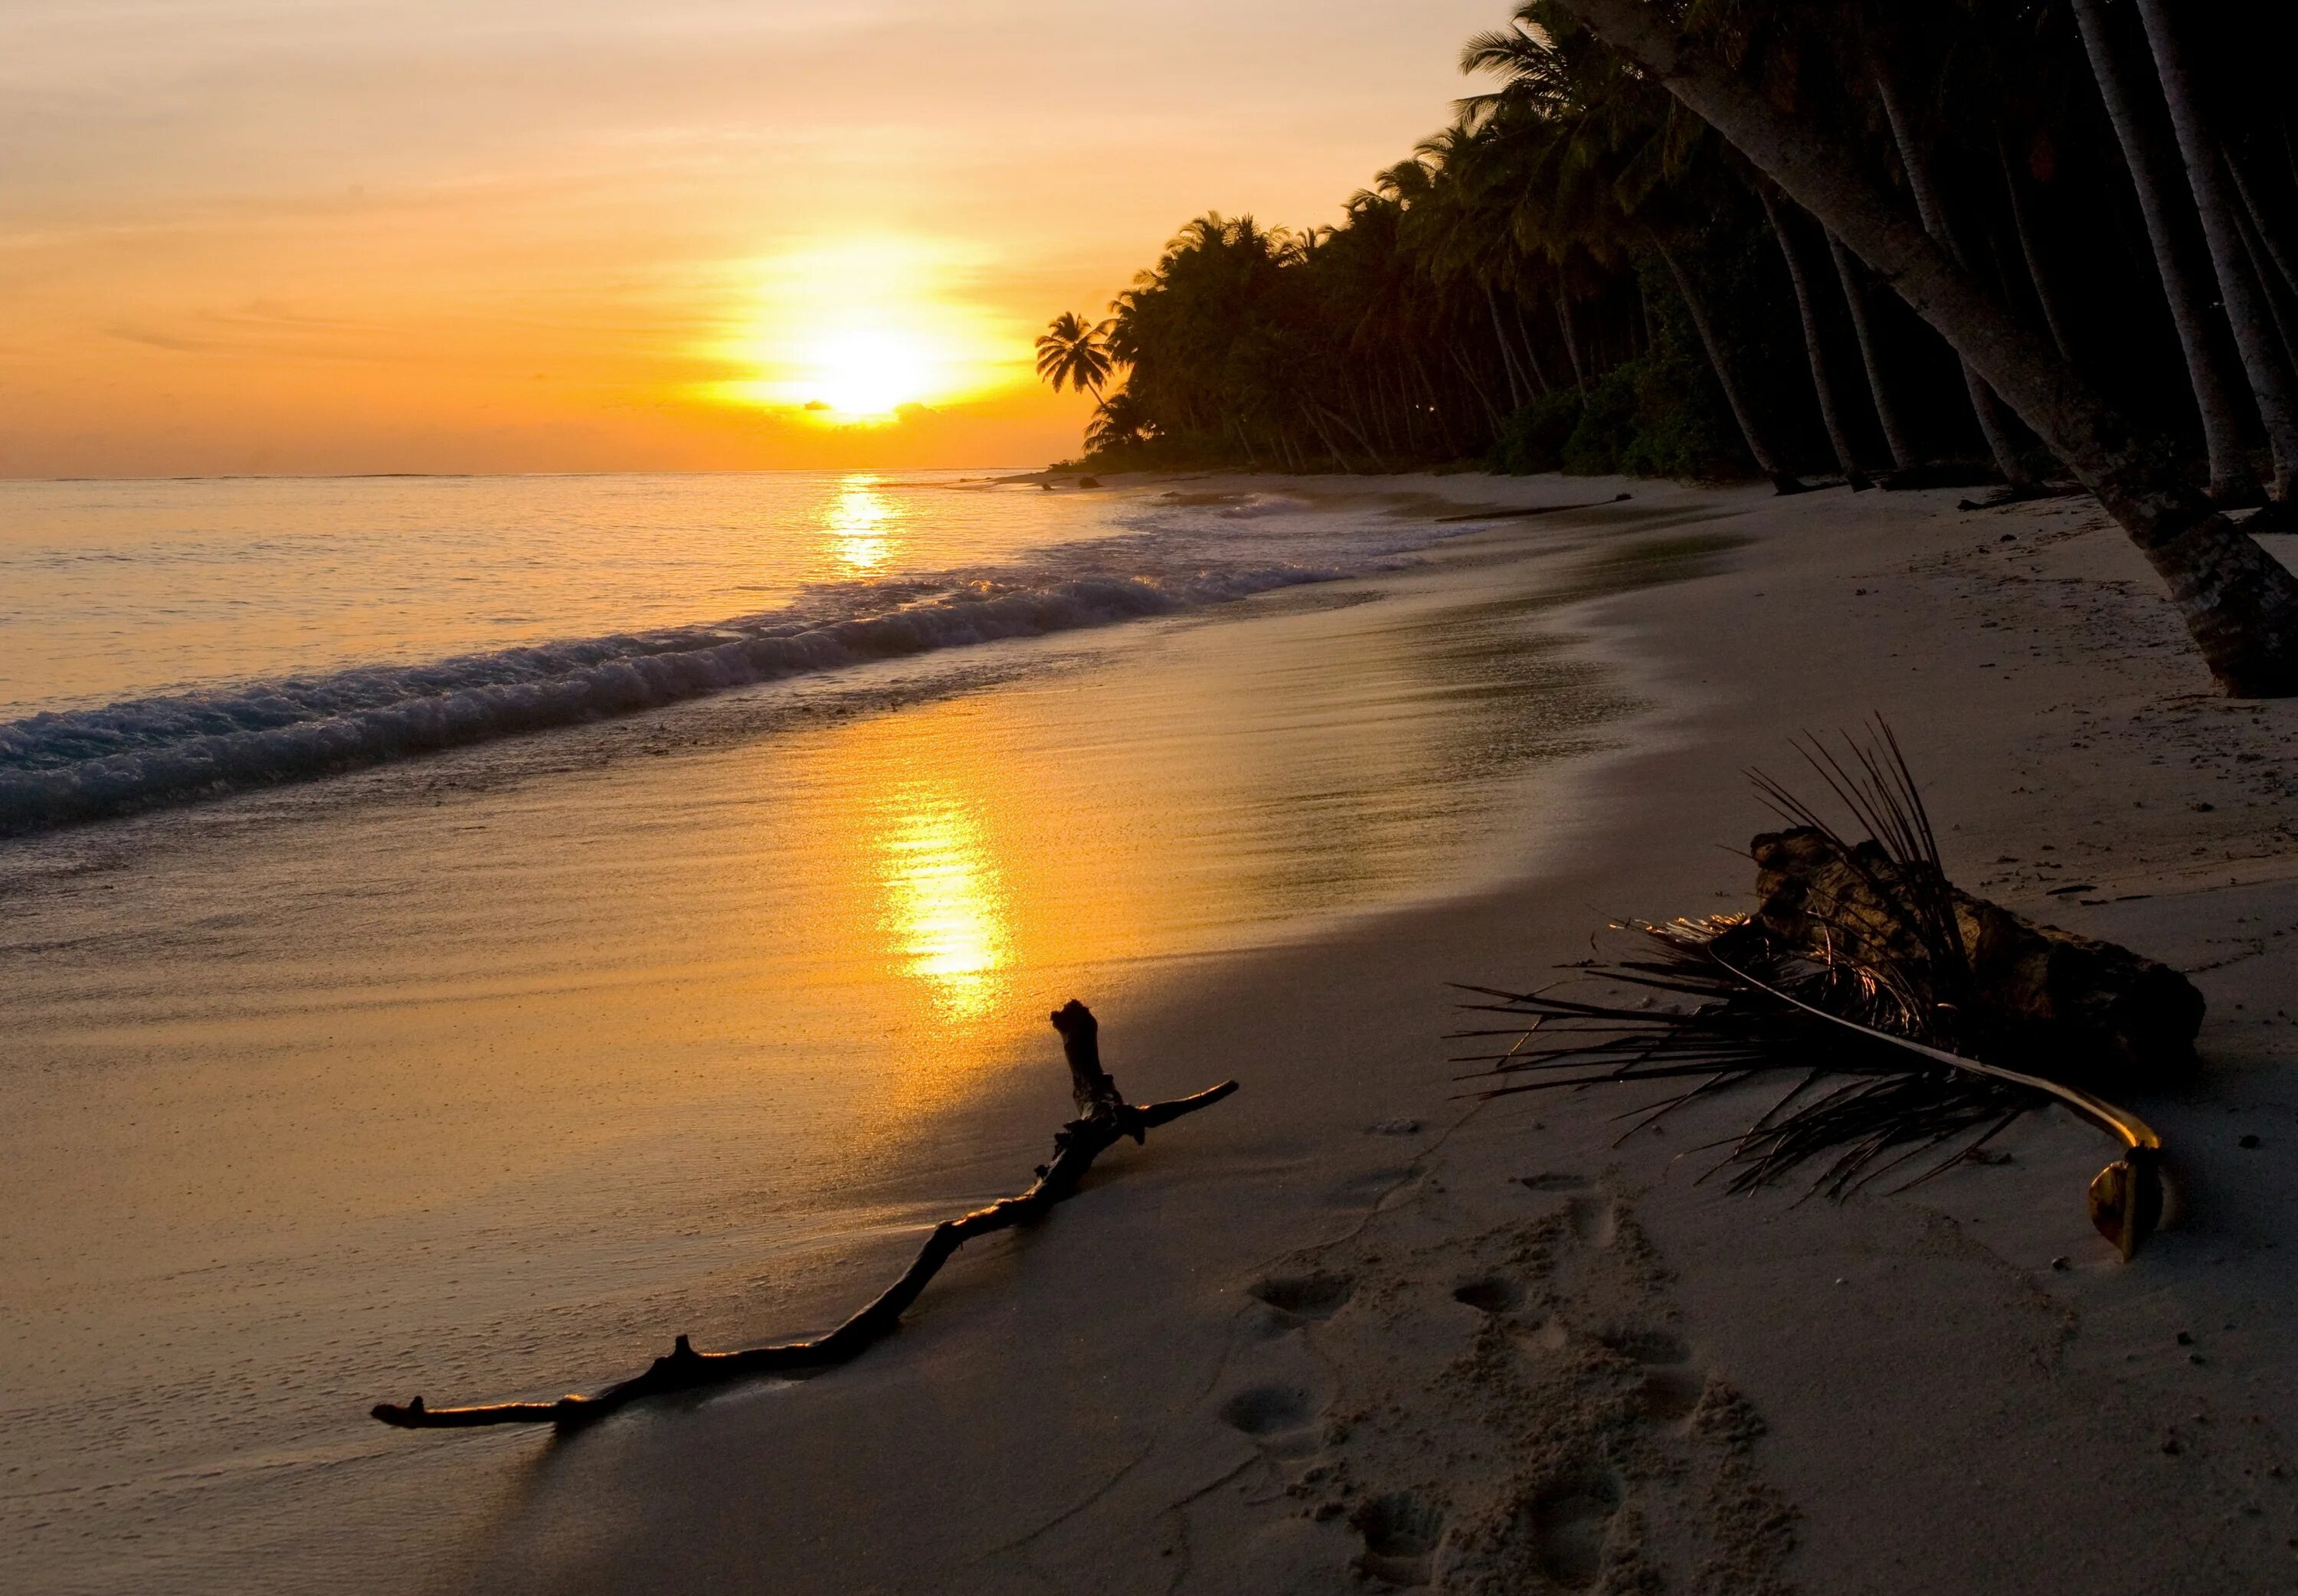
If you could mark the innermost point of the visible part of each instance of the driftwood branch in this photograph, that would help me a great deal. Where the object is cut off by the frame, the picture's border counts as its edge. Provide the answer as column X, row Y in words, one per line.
column 1103, row 1118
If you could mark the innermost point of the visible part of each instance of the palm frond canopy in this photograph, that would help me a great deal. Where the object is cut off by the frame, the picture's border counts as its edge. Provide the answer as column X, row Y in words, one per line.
column 1073, row 353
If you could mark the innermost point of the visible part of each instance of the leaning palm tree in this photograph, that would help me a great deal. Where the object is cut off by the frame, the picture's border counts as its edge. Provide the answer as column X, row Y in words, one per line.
column 2154, row 176
column 1073, row 353
column 2242, row 294
column 2239, row 603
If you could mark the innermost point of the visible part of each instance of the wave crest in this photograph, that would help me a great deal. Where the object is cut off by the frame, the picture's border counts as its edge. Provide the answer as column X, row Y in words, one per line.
column 63, row 768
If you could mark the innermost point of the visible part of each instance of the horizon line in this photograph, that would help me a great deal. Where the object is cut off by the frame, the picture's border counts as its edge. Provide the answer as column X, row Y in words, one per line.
column 479, row 476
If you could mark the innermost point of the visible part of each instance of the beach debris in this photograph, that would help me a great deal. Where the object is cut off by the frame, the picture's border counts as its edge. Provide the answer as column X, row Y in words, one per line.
column 1104, row 1118
column 1914, row 1017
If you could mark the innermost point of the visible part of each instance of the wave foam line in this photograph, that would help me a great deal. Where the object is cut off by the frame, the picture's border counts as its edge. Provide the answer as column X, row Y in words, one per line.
column 61, row 768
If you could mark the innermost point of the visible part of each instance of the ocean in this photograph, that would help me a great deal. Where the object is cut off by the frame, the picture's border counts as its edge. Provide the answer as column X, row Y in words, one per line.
column 461, row 932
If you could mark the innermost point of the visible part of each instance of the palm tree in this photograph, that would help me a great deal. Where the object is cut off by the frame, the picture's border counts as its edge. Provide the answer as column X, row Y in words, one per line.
column 1914, row 146
column 2190, row 301
column 1904, row 460
column 2239, row 603
column 1615, row 167
column 1119, row 422
column 2254, row 337
column 1070, row 352
column 1783, row 219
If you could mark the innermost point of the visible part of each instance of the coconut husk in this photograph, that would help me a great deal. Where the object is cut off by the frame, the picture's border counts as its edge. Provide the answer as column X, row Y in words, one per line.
column 2084, row 1011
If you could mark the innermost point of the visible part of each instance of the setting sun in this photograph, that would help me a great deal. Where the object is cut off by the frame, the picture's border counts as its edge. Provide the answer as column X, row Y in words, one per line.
column 867, row 371
column 857, row 329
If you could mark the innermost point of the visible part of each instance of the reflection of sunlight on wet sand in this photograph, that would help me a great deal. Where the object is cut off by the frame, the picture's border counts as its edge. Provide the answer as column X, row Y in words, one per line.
column 858, row 521
column 946, row 909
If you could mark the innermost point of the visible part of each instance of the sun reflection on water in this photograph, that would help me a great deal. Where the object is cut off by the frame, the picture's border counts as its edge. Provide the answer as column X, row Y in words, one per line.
column 946, row 912
column 859, row 522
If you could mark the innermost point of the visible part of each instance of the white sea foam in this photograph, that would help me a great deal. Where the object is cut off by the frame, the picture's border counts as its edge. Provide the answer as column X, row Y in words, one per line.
column 84, row 764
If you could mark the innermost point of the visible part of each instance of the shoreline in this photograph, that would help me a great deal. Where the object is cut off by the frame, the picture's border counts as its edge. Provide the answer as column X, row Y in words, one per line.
column 1098, row 1396
column 1541, row 1346
column 517, row 1059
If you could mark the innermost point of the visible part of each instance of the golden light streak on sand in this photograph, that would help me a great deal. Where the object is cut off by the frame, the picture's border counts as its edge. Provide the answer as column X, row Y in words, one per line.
column 947, row 909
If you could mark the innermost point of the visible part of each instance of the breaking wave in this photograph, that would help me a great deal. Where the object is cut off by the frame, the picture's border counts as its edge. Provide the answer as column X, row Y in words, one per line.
column 60, row 768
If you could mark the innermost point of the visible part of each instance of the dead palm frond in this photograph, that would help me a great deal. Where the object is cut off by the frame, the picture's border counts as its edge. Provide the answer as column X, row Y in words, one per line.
column 1869, row 1021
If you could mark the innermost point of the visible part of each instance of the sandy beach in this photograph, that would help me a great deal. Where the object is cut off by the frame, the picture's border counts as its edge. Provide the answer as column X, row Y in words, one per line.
column 1350, row 1329
column 1633, row 665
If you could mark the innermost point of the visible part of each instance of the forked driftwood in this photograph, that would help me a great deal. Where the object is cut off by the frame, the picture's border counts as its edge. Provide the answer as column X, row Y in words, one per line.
column 1103, row 1118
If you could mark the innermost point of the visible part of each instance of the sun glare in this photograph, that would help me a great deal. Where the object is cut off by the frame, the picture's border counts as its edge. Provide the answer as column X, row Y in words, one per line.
column 868, row 371
column 855, row 331
column 859, row 522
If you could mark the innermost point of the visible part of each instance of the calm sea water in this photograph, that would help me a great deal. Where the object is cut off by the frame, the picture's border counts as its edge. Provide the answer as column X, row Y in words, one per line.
column 460, row 933
column 168, row 641
column 114, row 591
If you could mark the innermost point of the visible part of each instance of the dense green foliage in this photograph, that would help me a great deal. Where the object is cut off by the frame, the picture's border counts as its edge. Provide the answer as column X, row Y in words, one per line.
column 1527, row 289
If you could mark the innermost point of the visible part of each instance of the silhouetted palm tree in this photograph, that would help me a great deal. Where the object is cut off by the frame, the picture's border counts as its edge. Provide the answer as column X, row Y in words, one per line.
column 1578, row 220
column 1119, row 422
column 1073, row 353
column 2240, row 604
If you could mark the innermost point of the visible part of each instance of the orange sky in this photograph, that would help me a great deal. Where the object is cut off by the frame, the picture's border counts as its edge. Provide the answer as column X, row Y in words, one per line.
column 255, row 236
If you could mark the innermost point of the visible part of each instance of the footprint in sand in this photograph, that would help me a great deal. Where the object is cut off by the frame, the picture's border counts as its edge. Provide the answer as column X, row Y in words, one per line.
column 1568, row 1525
column 1298, row 1298
column 1646, row 1347
column 1489, row 1295
column 1277, row 1417
column 1553, row 1335
column 1400, row 1535
column 1594, row 1221
column 1552, row 1183
column 1670, row 1392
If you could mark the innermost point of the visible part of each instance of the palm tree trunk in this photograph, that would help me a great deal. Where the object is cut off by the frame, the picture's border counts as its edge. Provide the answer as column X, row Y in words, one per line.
column 2190, row 301
column 2030, row 250
column 2270, row 285
column 2270, row 231
column 1250, row 459
column 1517, row 396
column 1531, row 351
column 1765, row 460
column 2270, row 380
column 1903, row 456
column 1814, row 346
column 1571, row 344
column 1325, row 436
column 1363, row 442
column 2239, row 603
column 1468, row 376
column 1917, row 160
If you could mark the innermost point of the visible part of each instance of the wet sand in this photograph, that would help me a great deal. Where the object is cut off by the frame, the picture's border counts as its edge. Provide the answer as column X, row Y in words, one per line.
column 469, row 1075
column 1345, row 1328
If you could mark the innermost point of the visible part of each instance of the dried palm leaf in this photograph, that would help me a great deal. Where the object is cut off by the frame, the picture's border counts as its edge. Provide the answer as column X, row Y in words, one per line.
column 1874, row 1021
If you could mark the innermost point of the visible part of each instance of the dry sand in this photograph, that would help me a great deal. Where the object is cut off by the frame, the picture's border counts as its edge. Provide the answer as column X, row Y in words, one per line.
column 1350, row 1331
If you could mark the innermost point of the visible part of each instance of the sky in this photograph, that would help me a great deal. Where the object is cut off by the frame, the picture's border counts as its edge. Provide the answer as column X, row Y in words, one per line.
column 368, row 236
